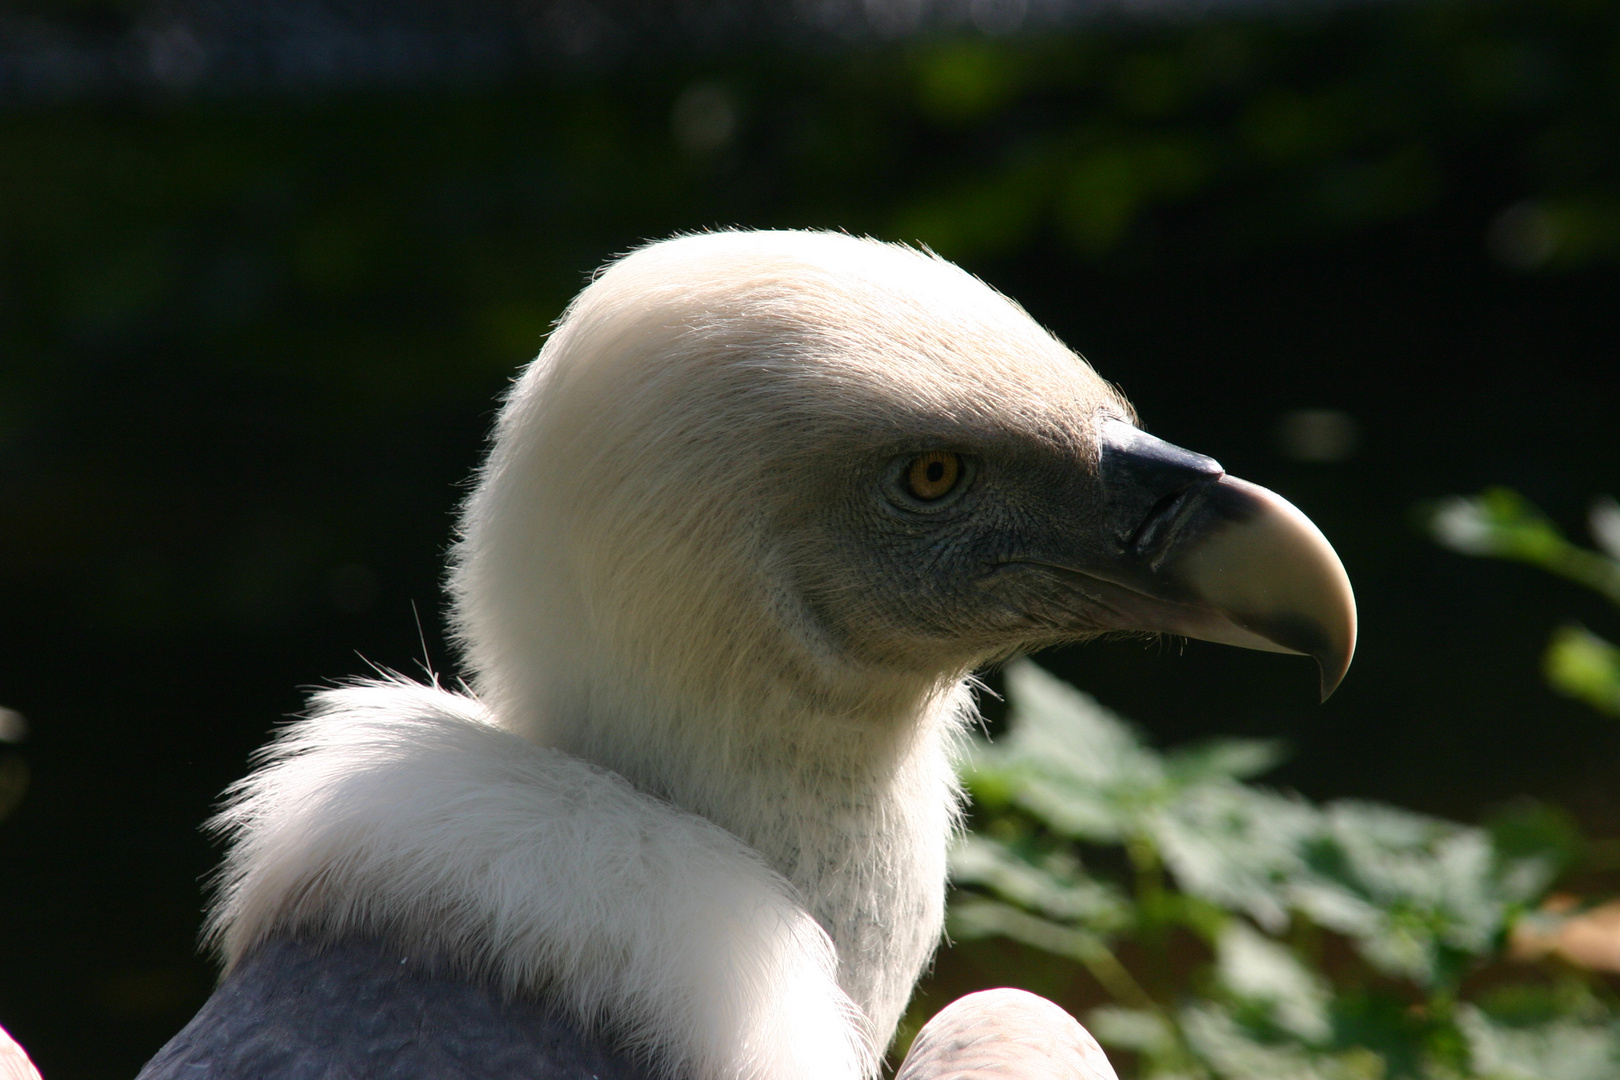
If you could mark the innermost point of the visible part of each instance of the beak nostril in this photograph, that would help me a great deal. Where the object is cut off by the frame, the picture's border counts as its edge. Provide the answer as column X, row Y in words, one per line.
column 1159, row 523
column 1214, row 557
column 1148, row 483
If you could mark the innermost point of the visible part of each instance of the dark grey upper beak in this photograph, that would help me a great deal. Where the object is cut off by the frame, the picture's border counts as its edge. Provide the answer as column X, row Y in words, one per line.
column 1218, row 558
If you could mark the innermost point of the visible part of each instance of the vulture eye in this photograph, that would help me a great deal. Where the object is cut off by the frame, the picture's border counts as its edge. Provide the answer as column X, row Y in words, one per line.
column 933, row 475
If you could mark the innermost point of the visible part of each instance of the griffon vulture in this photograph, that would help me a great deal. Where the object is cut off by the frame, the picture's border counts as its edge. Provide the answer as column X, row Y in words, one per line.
column 762, row 504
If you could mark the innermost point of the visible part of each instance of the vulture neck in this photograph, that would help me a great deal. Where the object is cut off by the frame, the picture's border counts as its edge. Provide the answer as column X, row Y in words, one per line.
column 851, row 797
column 780, row 769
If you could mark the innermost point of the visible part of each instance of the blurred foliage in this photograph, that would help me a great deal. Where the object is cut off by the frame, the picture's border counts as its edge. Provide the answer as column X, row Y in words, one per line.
column 359, row 258
column 380, row 255
column 1503, row 524
column 1290, row 128
column 1270, row 937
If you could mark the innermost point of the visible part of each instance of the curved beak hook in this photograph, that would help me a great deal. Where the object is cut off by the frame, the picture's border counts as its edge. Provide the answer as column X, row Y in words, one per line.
column 1222, row 559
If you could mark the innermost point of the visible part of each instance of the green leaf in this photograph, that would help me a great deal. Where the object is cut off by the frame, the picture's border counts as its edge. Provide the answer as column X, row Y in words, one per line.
column 963, row 79
column 1224, row 759
column 1152, row 1036
column 990, row 918
column 1582, row 665
column 1418, row 895
column 1603, row 521
column 1235, row 1053
column 1062, row 733
column 1505, row 524
column 1238, row 847
column 1142, row 1031
column 1499, row 522
column 1534, row 844
column 1072, row 763
column 1263, row 972
column 1560, row 1049
column 1055, row 886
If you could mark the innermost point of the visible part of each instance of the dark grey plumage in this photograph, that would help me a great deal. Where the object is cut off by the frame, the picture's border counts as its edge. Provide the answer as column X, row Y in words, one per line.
column 295, row 1010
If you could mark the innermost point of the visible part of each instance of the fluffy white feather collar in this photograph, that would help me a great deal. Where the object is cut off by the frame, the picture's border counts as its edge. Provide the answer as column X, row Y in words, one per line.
column 401, row 809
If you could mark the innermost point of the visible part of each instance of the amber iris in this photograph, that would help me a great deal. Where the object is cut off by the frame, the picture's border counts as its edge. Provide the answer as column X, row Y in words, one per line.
column 932, row 475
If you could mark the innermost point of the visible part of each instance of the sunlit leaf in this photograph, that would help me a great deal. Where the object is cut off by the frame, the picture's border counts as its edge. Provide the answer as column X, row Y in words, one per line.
column 1056, row 886
column 1255, row 968
column 1503, row 523
column 1499, row 522
column 1534, row 843
column 1235, row 1053
column 1561, row 1049
column 1603, row 521
column 1238, row 847
column 989, row 918
column 1584, row 666
column 1152, row 1036
column 1141, row 1030
column 1072, row 763
column 1066, row 734
column 1410, row 889
column 1225, row 759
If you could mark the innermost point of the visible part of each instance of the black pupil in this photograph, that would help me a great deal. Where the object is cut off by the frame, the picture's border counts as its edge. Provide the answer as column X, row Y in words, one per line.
column 936, row 471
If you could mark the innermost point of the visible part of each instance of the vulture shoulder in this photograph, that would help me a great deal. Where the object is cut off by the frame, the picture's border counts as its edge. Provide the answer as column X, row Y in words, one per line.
column 296, row 1010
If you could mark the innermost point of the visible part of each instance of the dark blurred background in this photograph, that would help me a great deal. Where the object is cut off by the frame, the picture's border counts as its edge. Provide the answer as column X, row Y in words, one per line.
column 265, row 267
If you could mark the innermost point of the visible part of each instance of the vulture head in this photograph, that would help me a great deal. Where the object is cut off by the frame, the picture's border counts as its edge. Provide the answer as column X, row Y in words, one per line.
column 747, row 526
column 782, row 489
column 766, row 500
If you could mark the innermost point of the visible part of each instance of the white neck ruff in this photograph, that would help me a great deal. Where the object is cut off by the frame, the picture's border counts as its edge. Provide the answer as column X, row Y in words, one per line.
column 401, row 810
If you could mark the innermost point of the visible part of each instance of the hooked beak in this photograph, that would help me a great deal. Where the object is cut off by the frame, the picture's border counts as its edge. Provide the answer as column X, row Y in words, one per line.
column 1204, row 554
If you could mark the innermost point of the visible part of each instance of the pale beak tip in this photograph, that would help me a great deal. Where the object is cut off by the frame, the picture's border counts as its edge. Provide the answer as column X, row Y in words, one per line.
column 1331, row 680
column 1336, row 664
